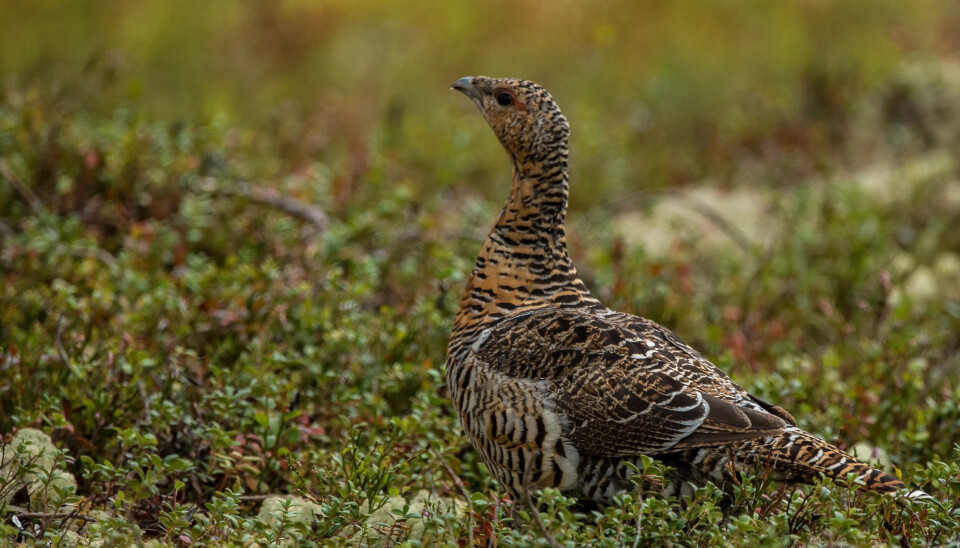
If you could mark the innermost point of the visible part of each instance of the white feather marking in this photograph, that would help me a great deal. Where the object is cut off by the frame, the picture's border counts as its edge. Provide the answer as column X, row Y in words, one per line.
column 839, row 464
column 484, row 335
column 520, row 426
column 692, row 425
column 611, row 491
column 645, row 356
column 694, row 405
column 530, row 422
column 553, row 423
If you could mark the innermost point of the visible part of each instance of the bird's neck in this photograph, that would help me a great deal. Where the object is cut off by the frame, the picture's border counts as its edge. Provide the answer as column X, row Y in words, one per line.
column 524, row 263
column 532, row 222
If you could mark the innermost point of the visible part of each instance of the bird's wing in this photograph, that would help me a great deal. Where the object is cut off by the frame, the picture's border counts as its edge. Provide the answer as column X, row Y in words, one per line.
column 694, row 366
column 622, row 385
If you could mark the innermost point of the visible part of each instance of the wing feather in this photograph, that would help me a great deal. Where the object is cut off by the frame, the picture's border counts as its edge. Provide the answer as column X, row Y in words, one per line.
column 627, row 385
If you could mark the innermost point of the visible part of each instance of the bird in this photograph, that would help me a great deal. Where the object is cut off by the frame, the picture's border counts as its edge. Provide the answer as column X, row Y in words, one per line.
column 555, row 390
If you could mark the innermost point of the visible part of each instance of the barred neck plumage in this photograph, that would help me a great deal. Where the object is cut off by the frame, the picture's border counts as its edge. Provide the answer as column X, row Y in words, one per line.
column 524, row 264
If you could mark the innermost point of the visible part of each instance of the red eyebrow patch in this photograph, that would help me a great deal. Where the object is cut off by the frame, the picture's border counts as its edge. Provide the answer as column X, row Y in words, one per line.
column 518, row 103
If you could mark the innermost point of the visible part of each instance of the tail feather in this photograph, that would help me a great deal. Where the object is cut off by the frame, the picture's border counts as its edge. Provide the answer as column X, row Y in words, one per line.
column 802, row 454
column 793, row 455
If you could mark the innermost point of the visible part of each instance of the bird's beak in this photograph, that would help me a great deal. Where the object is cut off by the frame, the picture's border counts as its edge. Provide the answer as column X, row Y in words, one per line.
column 465, row 86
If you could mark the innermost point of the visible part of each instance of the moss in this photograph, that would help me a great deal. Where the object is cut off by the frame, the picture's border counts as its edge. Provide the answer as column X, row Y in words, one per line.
column 289, row 517
column 31, row 448
column 43, row 492
column 68, row 539
column 404, row 517
column 922, row 104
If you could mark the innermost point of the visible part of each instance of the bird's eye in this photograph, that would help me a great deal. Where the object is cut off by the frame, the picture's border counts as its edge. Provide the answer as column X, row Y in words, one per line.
column 504, row 99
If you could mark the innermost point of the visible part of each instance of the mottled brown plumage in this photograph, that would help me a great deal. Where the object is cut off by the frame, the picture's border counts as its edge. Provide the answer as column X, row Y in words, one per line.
column 548, row 381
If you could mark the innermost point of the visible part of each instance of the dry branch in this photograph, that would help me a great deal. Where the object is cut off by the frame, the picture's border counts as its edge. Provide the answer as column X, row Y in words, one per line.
column 271, row 197
column 35, row 204
column 533, row 507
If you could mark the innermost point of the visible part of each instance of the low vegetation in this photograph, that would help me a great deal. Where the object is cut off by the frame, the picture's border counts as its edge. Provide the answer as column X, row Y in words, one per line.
column 222, row 332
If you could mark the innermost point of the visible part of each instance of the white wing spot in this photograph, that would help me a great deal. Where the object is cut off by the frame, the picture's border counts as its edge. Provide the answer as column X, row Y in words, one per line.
column 480, row 340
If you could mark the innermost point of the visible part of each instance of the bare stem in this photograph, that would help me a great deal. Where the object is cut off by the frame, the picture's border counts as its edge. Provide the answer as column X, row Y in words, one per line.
column 35, row 204
column 533, row 507
column 271, row 197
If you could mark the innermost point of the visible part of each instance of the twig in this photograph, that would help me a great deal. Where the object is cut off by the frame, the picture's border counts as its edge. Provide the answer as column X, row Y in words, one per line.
column 260, row 498
column 74, row 514
column 101, row 255
column 708, row 212
column 636, row 541
column 463, row 490
column 35, row 204
column 58, row 515
column 271, row 197
column 146, row 401
column 533, row 507
column 59, row 340
column 492, row 541
column 711, row 214
column 5, row 229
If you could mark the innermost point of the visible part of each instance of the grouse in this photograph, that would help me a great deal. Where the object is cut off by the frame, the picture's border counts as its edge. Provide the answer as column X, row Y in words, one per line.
column 554, row 389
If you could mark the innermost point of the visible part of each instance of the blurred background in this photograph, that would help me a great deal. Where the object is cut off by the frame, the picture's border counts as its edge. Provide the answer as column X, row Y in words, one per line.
column 726, row 103
column 659, row 93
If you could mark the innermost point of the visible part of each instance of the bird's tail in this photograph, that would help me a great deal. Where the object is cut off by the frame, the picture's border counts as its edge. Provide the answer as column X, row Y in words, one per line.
column 806, row 457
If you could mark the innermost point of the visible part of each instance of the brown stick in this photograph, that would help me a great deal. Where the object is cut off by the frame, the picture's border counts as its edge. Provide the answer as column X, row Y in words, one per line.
column 707, row 211
column 5, row 229
column 35, row 204
column 101, row 255
column 45, row 515
column 261, row 498
column 271, row 197
column 59, row 341
column 533, row 507
column 463, row 490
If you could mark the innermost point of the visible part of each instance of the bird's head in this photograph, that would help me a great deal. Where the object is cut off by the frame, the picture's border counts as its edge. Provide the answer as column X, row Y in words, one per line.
column 524, row 116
